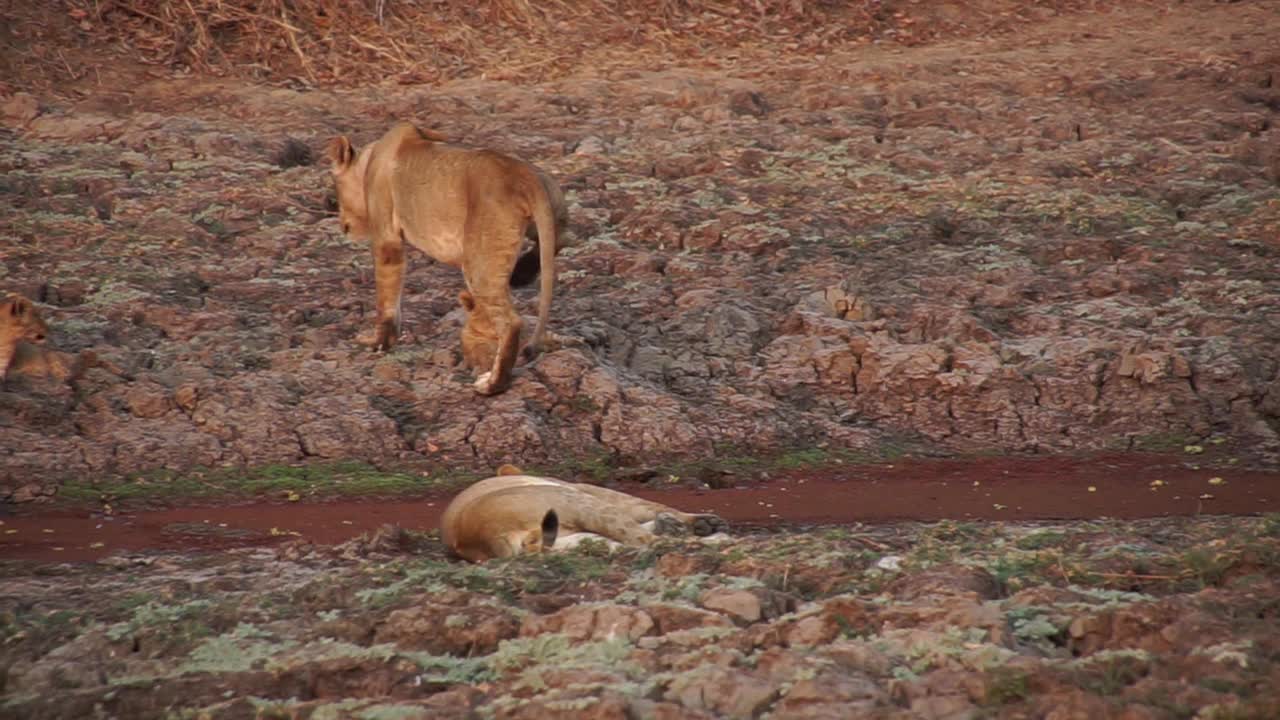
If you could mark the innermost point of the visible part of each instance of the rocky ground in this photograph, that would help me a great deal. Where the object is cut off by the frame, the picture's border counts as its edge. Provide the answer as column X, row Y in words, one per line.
column 1136, row 620
column 1054, row 239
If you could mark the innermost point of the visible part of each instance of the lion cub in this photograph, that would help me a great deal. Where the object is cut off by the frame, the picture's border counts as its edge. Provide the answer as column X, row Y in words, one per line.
column 467, row 208
column 515, row 513
column 22, row 351
column 20, row 325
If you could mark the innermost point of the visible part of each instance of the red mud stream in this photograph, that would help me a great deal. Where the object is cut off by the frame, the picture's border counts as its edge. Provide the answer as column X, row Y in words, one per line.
column 995, row 488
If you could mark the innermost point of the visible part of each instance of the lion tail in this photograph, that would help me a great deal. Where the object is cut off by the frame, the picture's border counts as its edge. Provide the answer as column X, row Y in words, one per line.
column 545, row 220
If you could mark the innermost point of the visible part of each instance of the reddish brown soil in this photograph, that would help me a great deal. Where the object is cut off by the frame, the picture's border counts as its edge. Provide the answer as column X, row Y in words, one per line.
column 992, row 488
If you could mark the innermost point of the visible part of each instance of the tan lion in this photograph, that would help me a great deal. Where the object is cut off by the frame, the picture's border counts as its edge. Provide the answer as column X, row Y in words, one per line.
column 467, row 208
column 22, row 351
column 514, row 513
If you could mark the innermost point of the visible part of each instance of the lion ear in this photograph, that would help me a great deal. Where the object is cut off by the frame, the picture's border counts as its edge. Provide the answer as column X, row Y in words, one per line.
column 18, row 306
column 340, row 152
column 550, row 529
column 432, row 135
column 468, row 302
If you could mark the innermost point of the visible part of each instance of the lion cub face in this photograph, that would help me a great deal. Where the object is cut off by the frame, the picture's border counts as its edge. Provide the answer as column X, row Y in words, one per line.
column 348, row 179
column 20, row 321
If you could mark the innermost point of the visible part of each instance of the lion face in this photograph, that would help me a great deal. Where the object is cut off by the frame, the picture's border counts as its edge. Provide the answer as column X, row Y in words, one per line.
column 20, row 321
column 479, row 339
column 348, row 179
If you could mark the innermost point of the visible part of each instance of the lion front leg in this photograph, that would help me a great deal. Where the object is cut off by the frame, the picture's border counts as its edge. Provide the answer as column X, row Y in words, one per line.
column 388, row 276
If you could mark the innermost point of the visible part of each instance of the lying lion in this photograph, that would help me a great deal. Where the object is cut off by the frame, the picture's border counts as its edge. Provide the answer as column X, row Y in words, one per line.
column 513, row 513
column 467, row 208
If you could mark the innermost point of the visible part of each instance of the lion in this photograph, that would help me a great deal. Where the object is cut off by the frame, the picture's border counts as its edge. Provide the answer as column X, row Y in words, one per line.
column 470, row 209
column 22, row 353
column 20, row 326
column 513, row 514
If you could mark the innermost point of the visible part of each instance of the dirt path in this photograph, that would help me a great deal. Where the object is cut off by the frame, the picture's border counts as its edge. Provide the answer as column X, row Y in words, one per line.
column 1123, row 486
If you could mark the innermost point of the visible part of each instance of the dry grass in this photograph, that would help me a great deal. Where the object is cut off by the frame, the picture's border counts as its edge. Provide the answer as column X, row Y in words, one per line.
column 325, row 41
column 321, row 42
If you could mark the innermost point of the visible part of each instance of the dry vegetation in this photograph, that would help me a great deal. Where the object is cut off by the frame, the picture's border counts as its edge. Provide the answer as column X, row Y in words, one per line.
column 319, row 42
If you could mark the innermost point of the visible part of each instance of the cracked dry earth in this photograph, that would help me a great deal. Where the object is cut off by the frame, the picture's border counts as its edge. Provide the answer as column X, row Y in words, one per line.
column 1140, row 620
column 1060, row 239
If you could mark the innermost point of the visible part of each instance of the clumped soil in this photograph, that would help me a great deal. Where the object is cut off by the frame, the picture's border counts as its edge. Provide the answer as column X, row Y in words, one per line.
column 1100, row 619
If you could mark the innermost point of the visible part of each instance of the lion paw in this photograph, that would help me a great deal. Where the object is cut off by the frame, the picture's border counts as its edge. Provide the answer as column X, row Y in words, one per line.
column 708, row 524
column 484, row 384
column 669, row 525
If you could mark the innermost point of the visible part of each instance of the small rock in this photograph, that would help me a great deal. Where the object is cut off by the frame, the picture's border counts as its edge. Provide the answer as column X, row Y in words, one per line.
column 724, row 691
column 186, row 397
column 748, row 102
column 943, row 707
column 147, row 401
column 742, row 605
column 703, row 237
column 837, row 616
column 945, row 580
column 592, row 622
column 684, row 123
column 834, row 695
column 29, row 492
column 590, row 145
column 749, row 605
column 294, row 153
column 892, row 563
column 674, row 565
column 674, row 167
column 390, row 371
column 466, row 631
column 670, row 618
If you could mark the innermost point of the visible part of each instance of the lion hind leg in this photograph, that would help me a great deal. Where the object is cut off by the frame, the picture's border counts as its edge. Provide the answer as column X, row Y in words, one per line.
column 608, row 518
column 637, row 509
column 388, row 276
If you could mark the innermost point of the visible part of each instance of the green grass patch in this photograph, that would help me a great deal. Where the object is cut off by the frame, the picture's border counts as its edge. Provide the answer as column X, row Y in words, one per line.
column 1163, row 442
column 1006, row 686
column 1041, row 540
column 283, row 482
column 731, row 460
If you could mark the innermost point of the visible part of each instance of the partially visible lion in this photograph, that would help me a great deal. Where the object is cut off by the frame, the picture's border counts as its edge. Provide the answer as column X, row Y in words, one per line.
column 481, row 342
column 22, row 352
column 467, row 208
column 21, row 327
column 514, row 514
